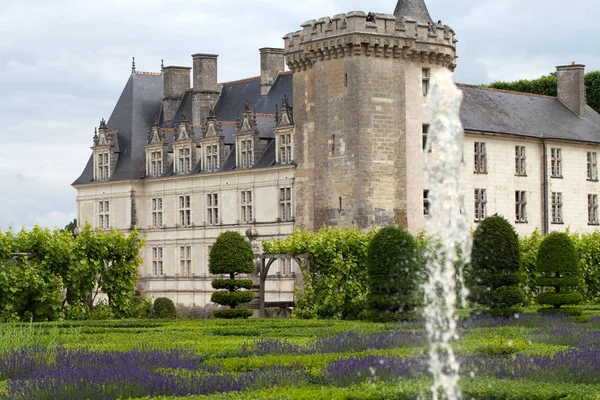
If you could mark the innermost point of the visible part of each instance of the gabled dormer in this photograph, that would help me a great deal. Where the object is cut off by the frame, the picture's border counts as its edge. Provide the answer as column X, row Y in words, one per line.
column 156, row 151
column 284, row 133
column 247, row 141
column 105, row 157
column 214, row 150
column 184, row 148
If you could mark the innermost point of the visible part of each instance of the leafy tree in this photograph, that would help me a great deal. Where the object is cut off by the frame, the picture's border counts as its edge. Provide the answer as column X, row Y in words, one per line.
column 394, row 274
column 335, row 286
column 231, row 255
column 71, row 226
column 557, row 262
column 494, row 276
column 546, row 85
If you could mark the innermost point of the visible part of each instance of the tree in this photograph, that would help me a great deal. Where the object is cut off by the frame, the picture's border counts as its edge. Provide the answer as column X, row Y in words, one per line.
column 557, row 262
column 231, row 255
column 71, row 226
column 546, row 85
column 395, row 273
column 494, row 276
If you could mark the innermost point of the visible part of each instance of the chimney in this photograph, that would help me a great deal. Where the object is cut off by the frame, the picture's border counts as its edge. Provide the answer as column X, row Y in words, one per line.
column 571, row 87
column 176, row 80
column 205, row 91
column 271, row 64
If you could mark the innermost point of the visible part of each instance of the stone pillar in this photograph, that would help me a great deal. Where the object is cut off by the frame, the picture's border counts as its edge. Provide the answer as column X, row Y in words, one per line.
column 271, row 64
column 205, row 91
column 176, row 80
column 571, row 87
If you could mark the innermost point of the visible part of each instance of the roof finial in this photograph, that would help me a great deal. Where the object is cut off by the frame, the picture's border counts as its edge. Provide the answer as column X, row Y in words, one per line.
column 133, row 65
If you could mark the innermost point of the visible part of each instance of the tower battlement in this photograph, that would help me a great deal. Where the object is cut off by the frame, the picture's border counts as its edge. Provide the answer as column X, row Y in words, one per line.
column 346, row 35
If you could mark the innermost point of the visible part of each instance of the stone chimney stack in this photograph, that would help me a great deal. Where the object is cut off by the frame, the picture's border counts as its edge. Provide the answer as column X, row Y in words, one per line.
column 205, row 91
column 176, row 80
column 571, row 87
column 271, row 64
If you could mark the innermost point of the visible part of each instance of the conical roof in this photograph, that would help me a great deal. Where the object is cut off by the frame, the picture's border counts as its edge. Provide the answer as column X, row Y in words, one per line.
column 414, row 9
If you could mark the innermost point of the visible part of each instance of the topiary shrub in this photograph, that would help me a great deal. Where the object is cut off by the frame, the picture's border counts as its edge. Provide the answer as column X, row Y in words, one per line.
column 231, row 255
column 494, row 276
column 394, row 274
column 558, row 264
column 164, row 308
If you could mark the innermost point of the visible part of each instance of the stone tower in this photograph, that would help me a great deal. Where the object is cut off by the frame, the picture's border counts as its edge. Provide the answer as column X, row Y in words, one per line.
column 360, row 87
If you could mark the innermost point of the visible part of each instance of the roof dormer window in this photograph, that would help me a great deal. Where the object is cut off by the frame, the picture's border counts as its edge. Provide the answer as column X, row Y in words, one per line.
column 102, row 166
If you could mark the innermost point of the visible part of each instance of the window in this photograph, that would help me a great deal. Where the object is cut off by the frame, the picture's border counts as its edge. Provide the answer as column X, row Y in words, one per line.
column 246, row 153
column 285, row 266
column 480, row 204
column 593, row 209
column 213, row 208
column 425, row 79
column 185, row 211
column 212, row 157
column 520, row 169
column 156, row 168
column 157, row 212
column 425, row 135
column 103, row 166
column 103, row 215
column 185, row 160
column 592, row 166
column 157, row 261
column 247, row 211
column 520, row 204
column 556, row 158
column 480, row 158
column 557, row 208
column 285, row 204
column 285, row 149
column 426, row 204
column 185, row 260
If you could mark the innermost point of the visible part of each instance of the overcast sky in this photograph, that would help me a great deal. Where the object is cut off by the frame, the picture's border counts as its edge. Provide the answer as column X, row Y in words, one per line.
column 64, row 63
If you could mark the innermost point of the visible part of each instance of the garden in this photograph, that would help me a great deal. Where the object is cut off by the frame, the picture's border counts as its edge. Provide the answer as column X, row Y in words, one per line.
column 531, row 329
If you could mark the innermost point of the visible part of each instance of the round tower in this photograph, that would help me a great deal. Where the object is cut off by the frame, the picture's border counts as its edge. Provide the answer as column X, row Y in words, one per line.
column 360, row 82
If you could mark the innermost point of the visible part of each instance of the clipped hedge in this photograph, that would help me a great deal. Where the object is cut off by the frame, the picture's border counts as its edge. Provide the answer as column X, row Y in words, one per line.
column 234, row 313
column 231, row 254
column 232, row 284
column 164, row 308
column 394, row 274
column 494, row 276
column 558, row 263
column 232, row 299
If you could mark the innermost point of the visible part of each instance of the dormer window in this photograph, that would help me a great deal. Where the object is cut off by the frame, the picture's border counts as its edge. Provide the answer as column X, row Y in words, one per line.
column 102, row 166
column 156, row 166
column 246, row 152
column 184, row 161
column 212, row 157
column 285, row 148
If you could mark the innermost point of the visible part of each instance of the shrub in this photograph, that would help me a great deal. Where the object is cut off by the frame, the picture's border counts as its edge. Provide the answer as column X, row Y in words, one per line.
column 164, row 308
column 234, row 313
column 394, row 273
column 231, row 254
column 494, row 275
column 557, row 261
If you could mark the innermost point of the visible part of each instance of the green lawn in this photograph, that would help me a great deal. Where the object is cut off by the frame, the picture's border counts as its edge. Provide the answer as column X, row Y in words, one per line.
column 532, row 357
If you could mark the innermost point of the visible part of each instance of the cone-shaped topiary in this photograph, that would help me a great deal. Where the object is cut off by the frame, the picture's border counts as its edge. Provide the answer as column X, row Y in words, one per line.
column 231, row 255
column 558, row 263
column 394, row 274
column 494, row 276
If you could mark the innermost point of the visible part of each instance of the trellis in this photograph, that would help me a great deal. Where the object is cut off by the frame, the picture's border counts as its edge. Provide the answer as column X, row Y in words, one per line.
column 266, row 260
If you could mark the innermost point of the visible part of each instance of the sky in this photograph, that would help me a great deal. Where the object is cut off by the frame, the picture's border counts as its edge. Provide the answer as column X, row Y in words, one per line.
column 64, row 63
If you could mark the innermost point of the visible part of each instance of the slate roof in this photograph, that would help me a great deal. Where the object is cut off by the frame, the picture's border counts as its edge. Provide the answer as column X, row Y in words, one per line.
column 521, row 114
column 483, row 110
column 412, row 9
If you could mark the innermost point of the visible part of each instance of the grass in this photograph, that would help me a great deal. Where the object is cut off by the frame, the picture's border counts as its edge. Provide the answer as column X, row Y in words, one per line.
column 253, row 358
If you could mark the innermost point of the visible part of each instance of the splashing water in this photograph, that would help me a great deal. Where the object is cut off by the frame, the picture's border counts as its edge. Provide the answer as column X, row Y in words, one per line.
column 450, row 235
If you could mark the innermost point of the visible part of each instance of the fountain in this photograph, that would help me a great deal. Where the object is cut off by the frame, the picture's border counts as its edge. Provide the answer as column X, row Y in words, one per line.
column 450, row 247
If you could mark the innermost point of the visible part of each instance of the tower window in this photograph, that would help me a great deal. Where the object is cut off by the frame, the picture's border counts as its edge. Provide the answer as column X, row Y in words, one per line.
column 345, row 80
column 425, row 80
column 425, row 135
column 426, row 203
